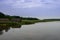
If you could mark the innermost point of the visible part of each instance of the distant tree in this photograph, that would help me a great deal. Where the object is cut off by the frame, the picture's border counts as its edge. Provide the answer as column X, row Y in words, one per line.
column 29, row 18
column 15, row 16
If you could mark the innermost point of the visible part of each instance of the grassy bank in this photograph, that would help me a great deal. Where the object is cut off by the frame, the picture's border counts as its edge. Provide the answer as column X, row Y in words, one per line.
column 24, row 22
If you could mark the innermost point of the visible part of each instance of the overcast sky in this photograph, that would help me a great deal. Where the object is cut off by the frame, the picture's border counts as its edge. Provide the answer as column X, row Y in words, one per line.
column 34, row 8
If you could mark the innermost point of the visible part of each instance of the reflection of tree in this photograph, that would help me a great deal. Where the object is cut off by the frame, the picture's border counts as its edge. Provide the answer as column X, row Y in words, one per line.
column 6, row 28
column 16, row 26
column 1, row 32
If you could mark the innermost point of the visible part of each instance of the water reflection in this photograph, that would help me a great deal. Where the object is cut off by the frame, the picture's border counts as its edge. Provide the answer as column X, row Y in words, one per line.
column 7, row 28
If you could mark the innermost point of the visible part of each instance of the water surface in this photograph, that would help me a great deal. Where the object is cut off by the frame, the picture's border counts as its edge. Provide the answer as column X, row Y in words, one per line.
column 38, row 31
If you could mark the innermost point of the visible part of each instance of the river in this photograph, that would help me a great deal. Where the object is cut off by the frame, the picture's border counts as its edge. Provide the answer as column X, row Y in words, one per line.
column 38, row 31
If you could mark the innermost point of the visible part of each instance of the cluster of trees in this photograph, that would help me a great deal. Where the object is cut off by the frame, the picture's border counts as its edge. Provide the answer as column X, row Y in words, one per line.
column 2, row 15
column 29, row 18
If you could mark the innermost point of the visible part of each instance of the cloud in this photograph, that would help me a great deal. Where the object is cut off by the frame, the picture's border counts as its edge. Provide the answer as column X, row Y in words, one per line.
column 25, row 4
column 32, row 3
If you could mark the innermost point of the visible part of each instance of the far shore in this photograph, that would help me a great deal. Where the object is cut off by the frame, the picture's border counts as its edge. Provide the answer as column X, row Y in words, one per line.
column 7, row 20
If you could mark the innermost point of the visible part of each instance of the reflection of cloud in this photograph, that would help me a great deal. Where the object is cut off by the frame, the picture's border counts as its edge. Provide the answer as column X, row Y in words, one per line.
column 32, row 3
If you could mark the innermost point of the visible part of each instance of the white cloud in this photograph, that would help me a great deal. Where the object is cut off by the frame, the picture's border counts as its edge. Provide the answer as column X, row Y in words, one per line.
column 32, row 3
column 20, row 4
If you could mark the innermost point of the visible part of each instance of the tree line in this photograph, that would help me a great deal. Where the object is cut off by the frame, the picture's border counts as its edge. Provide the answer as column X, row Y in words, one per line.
column 2, row 15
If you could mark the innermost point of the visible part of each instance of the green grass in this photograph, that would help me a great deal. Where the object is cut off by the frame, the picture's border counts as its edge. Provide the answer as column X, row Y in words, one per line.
column 29, row 21
column 25, row 22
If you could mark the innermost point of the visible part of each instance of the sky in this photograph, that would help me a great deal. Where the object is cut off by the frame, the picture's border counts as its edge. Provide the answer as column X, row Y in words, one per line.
column 31, row 8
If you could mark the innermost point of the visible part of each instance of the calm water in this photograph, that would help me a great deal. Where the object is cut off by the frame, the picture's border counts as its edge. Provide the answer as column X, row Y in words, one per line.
column 38, row 31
